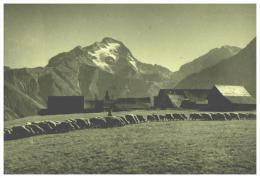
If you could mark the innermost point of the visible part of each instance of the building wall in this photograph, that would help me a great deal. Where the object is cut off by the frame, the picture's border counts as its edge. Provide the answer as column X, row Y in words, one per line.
column 121, row 104
column 65, row 104
column 164, row 101
column 217, row 101
column 194, row 95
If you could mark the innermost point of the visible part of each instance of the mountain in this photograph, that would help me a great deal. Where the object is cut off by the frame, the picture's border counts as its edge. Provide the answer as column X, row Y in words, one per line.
column 239, row 69
column 89, row 71
column 209, row 59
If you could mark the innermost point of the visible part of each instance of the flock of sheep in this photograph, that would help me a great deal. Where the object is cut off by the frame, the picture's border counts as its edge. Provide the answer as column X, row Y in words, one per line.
column 51, row 127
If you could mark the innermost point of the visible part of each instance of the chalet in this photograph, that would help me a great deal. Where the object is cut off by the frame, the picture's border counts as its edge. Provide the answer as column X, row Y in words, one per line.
column 230, row 97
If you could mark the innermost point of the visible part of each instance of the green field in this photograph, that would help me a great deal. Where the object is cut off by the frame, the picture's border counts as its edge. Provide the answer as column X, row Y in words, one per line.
column 177, row 147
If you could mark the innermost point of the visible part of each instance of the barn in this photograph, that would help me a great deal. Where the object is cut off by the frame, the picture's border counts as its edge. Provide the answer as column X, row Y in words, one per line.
column 65, row 104
column 186, row 98
column 230, row 97
column 122, row 104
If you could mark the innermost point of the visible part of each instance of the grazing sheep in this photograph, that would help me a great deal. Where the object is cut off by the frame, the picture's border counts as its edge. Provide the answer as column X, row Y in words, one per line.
column 156, row 117
column 8, row 134
column 98, row 122
column 228, row 116
column 36, row 128
column 52, row 124
column 113, row 121
column 30, row 129
column 242, row 116
column 195, row 116
column 234, row 116
column 20, row 132
column 125, row 120
column 46, row 127
column 141, row 118
column 180, row 116
column 177, row 116
column 64, row 127
column 251, row 116
column 8, row 131
column 218, row 116
column 206, row 117
column 137, row 121
column 183, row 116
column 169, row 117
column 82, row 123
column 74, row 123
column 150, row 118
column 130, row 118
column 121, row 120
column 162, row 117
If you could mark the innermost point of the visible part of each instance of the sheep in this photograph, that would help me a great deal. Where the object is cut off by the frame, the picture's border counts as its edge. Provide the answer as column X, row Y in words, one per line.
column 242, row 116
column 82, row 123
column 113, row 121
column 234, row 116
column 130, row 118
column 177, row 116
column 169, row 117
column 141, row 118
column 206, row 117
column 218, row 116
column 98, row 122
column 21, row 132
column 150, row 118
column 195, row 116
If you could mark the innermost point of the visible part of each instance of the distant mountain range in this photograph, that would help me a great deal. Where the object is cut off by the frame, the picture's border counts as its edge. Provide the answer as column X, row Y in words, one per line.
column 239, row 69
column 91, row 70
column 209, row 59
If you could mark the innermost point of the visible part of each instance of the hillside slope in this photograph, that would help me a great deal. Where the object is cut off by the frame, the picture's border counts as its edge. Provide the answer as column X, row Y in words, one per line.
column 209, row 59
column 239, row 69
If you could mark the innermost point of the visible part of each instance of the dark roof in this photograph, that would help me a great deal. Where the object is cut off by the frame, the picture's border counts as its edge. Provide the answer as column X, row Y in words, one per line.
column 195, row 95
column 138, row 105
column 133, row 100
column 181, row 90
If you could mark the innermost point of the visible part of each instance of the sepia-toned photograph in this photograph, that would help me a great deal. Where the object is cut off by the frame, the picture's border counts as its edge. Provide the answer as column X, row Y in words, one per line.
column 129, row 88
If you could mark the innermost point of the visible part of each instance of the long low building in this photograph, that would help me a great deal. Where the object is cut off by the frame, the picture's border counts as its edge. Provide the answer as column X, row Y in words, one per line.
column 186, row 98
column 219, row 97
column 65, row 104
column 121, row 104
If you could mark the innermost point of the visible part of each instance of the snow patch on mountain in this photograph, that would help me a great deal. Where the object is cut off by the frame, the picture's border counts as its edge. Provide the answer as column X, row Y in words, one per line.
column 102, row 65
column 105, row 50
column 133, row 63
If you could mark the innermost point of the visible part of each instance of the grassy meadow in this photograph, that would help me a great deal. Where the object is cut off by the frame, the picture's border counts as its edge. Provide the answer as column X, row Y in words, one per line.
column 177, row 147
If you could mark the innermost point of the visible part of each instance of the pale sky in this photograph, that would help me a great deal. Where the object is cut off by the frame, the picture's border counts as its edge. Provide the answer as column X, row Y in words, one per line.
column 169, row 35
